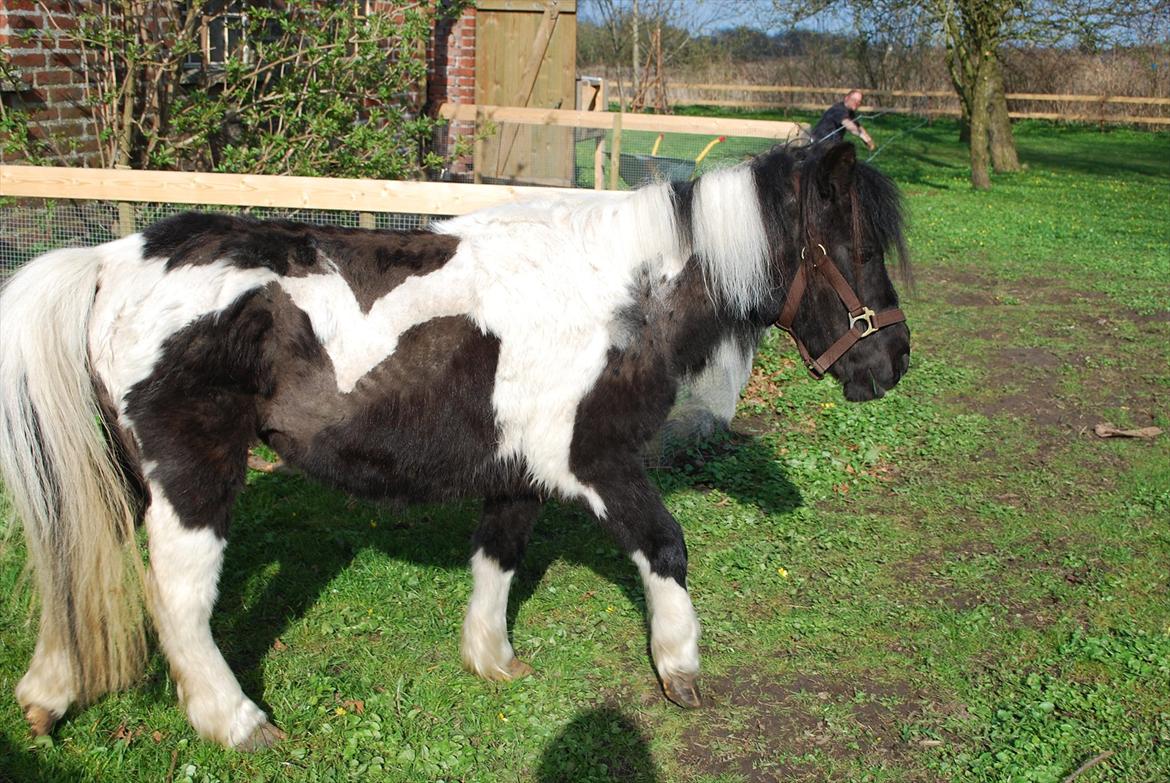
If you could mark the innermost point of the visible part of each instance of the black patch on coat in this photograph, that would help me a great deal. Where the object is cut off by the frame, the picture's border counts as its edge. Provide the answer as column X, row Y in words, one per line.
column 419, row 426
column 375, row 262
column 195, row 238
column 195, row 415
column 504, row 529
column 371, row 262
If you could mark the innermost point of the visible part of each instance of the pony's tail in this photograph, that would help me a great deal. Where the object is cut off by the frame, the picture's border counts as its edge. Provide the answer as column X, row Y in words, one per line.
column 59, row 464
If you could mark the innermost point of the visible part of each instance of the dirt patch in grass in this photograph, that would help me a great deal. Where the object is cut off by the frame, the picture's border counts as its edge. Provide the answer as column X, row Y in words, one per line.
column 766, row 728
column 1060, row 561
column 1071, row 381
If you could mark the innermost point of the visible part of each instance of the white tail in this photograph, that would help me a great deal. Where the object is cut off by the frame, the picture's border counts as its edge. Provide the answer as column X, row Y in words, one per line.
column 66, row 487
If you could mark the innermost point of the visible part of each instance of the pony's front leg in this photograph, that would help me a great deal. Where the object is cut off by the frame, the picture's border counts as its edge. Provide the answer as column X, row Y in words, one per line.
column 497, row 549
column 635, row 515
column 185, row 562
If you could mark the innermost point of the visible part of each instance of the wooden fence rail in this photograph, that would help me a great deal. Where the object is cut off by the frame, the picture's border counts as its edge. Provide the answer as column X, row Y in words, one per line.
column 662, row 123
column 255, row 190
column 684, row 92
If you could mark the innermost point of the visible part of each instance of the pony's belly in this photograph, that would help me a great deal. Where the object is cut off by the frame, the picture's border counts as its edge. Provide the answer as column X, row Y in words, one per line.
column 419, row 426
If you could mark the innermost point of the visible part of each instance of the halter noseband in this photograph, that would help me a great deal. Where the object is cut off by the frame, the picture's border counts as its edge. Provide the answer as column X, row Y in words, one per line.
column 862, row 320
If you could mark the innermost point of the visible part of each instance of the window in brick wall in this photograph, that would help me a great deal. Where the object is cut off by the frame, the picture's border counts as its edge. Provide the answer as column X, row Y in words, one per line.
column 221, row 35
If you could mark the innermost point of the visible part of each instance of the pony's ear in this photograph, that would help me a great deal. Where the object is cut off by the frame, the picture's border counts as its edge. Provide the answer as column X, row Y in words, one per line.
column 835, row 175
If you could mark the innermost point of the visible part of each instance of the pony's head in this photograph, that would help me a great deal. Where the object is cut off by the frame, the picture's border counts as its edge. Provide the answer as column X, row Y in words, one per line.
column 834, row 223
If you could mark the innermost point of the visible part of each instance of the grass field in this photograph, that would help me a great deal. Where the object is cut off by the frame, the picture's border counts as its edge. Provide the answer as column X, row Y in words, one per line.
column 958, row 582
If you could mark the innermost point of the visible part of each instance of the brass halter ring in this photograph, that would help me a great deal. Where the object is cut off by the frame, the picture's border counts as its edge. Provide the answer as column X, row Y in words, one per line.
column 866, row 315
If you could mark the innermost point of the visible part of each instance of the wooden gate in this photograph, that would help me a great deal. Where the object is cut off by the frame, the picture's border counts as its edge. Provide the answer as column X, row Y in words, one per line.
column 526, row 55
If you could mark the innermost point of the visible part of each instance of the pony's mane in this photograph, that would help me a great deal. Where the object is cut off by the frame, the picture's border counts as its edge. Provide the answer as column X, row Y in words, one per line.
column 739, row 222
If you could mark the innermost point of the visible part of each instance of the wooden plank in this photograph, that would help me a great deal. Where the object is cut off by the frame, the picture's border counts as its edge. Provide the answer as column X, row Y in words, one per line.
column 126, row 221
column 796, row 89
column 599, row 165
column 1023, row 115
column 1011, row 96
column 564, row 6
column 616, row 153
column 255, row 190
column 478, row 158
column 659, row 123
column 1033, row 96
column 544, row 33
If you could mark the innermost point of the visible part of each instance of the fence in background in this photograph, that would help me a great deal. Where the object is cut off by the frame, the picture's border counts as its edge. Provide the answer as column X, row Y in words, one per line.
column 60, row 207
column 607, row 150
column 1120, row 109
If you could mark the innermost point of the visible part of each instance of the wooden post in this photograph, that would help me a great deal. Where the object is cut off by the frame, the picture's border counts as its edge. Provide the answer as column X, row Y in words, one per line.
column 125, row 218
column 367, row 220
column 616, row 153
column 477, row 147
column 599, row 165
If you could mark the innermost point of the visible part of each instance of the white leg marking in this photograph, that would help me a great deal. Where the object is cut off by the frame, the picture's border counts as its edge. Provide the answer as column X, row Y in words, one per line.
column 485, row 648
column 674, row 626
column 50, row 682
column 184, row 572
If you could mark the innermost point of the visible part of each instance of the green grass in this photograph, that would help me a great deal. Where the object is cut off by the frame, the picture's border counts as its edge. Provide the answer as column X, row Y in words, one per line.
column 957, row 582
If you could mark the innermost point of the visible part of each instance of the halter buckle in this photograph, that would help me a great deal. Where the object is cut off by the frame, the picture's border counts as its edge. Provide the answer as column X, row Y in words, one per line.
column 866, row 315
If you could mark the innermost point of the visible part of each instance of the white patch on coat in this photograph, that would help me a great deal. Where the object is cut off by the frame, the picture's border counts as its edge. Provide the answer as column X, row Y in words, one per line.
column 183, row 584
column 49, row 681
column 674, row 626
column 485, row 648
column 358, row 342
column 139, row 304
column 718, row 386
column 730, row 237
column 552, row 277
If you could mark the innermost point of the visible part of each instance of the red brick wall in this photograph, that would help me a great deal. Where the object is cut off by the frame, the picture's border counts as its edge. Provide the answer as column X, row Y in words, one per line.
column 451, row 54
column 50, row 85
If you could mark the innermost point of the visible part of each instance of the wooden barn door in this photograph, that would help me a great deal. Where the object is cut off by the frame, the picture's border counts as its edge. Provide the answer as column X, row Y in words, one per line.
column 526, row 55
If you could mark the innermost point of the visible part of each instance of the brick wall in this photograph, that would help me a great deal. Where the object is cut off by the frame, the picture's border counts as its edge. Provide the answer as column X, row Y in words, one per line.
column 49, row 84
column 451, row 77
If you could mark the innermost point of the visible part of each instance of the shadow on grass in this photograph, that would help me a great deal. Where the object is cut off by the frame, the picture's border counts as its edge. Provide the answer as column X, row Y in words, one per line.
column 19, row 765
column 599, row 745
column 304, row 535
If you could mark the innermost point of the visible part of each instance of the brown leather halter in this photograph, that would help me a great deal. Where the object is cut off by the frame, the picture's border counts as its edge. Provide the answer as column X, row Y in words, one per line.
column 863, row 321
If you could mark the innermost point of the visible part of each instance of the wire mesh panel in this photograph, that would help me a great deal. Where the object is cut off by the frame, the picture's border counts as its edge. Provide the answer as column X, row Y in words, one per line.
column 33, row 226
column 623, row 159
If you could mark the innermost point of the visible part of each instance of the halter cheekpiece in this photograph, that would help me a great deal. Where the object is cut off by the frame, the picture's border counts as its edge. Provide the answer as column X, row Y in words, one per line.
column 862, row 320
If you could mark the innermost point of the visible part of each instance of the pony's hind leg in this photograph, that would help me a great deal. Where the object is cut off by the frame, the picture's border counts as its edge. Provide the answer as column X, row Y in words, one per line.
column 185, row 562
column 497, row 549
column 49, row 686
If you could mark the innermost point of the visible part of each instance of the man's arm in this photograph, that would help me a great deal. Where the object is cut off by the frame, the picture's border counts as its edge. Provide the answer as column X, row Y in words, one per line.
column 856, row 129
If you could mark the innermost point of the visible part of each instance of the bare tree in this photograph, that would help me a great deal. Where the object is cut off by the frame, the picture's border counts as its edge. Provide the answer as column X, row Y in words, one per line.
column 974, row 34
column 631, row 25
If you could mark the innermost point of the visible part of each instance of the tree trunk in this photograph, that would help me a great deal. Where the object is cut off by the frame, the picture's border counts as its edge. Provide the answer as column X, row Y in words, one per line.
column 981, row 127
column 1003, row 145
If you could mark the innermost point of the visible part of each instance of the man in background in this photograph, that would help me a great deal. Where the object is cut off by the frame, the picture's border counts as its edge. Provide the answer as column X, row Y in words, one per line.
column 840, row 117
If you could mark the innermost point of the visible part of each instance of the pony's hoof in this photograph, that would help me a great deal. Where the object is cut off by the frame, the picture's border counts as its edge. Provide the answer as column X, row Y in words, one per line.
column 512, row 670
column 263, row 736
column 517, row 669
column 40, row 720
column 682, row 690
